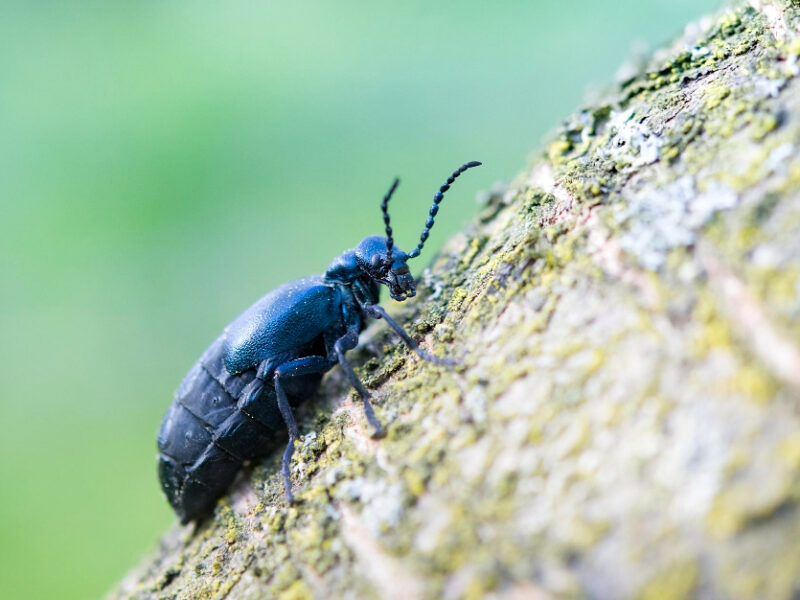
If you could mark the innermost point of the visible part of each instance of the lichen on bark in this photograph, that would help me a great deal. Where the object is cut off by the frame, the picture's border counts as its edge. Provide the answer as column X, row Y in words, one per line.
column 624, row 421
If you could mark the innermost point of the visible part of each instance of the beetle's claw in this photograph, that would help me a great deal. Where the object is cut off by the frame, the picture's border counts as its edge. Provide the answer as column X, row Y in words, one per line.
column 378, row 432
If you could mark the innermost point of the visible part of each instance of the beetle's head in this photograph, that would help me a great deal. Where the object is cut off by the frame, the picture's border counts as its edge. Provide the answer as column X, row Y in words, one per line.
column 386, row 267
column 379, row 259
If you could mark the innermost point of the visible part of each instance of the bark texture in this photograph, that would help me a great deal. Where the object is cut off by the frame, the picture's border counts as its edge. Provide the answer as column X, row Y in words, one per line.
column 625, row 422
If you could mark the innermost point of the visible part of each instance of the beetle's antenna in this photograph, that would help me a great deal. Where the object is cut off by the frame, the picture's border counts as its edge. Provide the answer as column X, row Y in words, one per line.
column 437, row 198
column 385, row 211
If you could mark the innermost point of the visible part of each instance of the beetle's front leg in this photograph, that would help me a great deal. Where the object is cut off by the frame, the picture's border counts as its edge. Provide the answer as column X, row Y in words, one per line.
column 377, row 312
column 347, row 342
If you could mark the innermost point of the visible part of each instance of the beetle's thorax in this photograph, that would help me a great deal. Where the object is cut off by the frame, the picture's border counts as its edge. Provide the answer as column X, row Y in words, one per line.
column 344, row 272
column 343, row 269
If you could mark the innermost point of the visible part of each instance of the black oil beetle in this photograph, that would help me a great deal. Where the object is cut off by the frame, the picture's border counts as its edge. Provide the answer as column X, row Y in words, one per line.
column 235, row 402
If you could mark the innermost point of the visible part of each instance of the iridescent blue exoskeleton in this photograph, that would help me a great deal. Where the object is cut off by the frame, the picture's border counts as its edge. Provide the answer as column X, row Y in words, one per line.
column 237, row 400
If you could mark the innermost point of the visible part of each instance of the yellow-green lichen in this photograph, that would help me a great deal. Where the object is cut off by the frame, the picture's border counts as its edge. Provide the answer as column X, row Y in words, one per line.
column 676, row 582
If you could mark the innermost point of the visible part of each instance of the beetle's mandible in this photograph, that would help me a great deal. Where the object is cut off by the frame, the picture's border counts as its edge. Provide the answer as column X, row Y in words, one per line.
column 237, row 400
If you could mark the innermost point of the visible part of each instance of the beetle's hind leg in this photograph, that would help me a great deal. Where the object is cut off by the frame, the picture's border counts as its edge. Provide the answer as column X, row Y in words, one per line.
column 347, row 342
column 301, row 366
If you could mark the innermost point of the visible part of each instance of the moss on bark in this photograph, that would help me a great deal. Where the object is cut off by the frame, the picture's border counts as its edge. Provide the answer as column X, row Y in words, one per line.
column 625, row 421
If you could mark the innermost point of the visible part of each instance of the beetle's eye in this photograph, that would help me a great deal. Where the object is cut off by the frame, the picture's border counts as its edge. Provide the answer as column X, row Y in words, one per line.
column 375, row 261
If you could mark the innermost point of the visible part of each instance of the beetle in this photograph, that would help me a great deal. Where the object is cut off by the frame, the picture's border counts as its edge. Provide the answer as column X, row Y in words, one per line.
column 236, row 401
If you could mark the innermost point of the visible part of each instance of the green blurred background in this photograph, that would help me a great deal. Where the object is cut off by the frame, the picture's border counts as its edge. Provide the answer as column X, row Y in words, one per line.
column 162, row 165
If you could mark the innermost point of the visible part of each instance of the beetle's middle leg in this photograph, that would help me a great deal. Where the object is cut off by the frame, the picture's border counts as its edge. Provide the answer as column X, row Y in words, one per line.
column 301, row 366
column 347, row 342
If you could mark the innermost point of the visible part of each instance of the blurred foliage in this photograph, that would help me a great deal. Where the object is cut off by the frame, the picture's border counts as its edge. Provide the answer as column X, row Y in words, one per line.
column 162, row 165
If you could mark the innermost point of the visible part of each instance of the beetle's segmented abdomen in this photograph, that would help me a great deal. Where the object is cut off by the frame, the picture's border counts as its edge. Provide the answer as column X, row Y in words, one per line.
column 208, row 433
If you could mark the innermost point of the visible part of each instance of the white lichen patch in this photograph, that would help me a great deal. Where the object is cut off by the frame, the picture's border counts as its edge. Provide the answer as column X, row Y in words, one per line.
column 383, row 503
column 660, row 219
column 699, row 52
column 632, row 139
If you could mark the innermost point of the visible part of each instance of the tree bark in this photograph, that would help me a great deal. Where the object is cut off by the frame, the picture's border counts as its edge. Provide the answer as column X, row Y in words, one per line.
column 624, row 422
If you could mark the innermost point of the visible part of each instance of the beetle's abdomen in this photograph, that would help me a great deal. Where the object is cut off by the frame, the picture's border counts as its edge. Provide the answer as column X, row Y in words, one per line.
column 208, row 432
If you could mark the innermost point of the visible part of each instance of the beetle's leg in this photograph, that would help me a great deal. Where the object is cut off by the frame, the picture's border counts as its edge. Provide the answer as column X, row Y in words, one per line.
column 347, row 342
column 301, row 366
column 252, row 390
column 264, row 369
column 376, row 311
